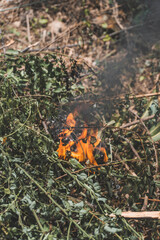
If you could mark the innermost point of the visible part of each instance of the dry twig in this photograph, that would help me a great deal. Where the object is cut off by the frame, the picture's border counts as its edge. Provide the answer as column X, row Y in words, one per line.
column 125, row 164
column 133, row 149
column 145, row 203
column 149, row 214
column 28, row 29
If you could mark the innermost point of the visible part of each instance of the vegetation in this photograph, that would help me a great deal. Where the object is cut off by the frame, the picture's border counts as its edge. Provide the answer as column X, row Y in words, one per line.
column 43, row 197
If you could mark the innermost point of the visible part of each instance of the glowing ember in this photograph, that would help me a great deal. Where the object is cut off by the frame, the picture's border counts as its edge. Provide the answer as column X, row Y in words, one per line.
column 83, row 147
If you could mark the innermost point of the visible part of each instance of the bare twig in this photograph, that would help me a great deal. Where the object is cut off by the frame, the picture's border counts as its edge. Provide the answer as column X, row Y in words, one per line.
column 125, row 164
column 49, row 49
column 43, row 122
column 143, row 95
column 128, row 124
column 123, row 30
column 116, row 15
column 28, row 29
column 8, row 44
column 2, row 41
column 30, row 46
column 136, row 121
column 149, row 214
column 152, row 200
column 133, row 149
column 145, row 203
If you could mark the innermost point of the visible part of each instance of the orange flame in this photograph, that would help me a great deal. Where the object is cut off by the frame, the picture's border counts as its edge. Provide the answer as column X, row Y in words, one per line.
column 84, row 148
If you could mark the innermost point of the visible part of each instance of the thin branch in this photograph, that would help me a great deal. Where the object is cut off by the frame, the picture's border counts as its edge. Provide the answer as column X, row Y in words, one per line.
column 125, row 164
column 136, row 121
column 43, row 122
column 152, row 200
column 28, row 48
column 51, row 49
column 137, row 215
column 133, row 149
column 37, row 219
column 128, row 124
column 145, row 203
column 28, row 29
column 116, row 16
column 8, row 44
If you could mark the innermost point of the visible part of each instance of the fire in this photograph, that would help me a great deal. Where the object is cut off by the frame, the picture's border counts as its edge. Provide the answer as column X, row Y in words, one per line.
column 80, row 147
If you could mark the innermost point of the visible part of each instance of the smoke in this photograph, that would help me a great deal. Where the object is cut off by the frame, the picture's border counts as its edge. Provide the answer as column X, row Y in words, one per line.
column 136, row 41
column 119, row 74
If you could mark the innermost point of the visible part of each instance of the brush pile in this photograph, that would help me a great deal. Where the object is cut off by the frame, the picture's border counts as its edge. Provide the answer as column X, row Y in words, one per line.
column 44, row 196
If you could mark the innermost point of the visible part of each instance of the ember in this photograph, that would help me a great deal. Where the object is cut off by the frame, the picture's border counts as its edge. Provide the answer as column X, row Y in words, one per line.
column 80, row 147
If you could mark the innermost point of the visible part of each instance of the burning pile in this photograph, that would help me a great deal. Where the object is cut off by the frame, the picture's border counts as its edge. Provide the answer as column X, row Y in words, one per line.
column 83, row 147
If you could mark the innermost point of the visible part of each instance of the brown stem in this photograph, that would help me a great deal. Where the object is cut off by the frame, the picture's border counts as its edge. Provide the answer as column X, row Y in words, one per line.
column 149, row 214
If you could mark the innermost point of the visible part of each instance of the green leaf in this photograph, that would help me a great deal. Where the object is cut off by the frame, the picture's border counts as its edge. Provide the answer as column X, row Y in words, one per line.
column 58, row 90
column 154, row 130
column 79, row 205
column 152, row 108
column 75, row 163
column 111, row 229
column 118, row 212
column 9, row 70
column 156, row 137
column 107, row 38
column 83, row 212
column 104, row 25
column 7, row 191
column 101, row 199
column 11, row 52
column 43, row 21
column 14, row 31
column 82, row 176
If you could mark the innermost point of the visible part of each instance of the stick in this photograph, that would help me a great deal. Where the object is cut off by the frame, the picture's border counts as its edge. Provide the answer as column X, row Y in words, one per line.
column 8, row 44
column 125, row 164
column 136, row 121
column 128, row 124
column 28, row 29
column 51, row 49
column 44, row 123
column 149, row 214
column 2, row 41
column 28, row 48
column 152, row 200
column 132, row 147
